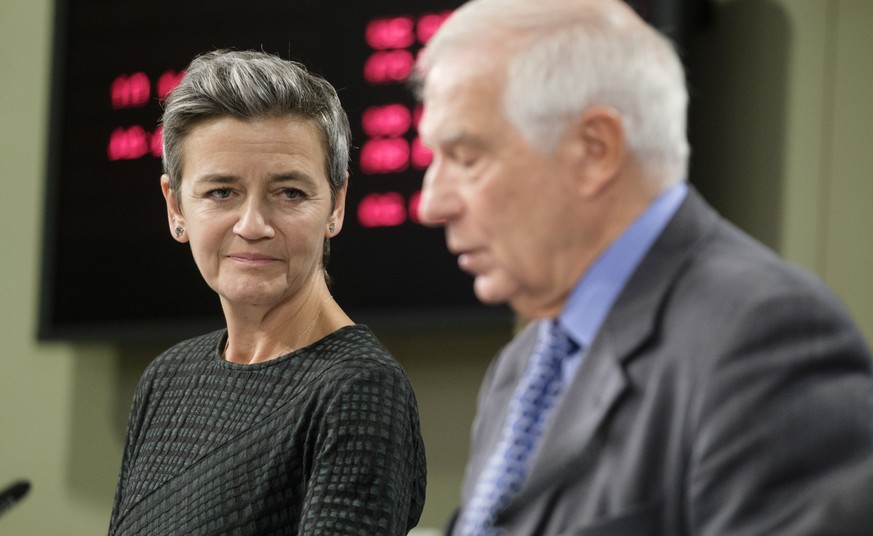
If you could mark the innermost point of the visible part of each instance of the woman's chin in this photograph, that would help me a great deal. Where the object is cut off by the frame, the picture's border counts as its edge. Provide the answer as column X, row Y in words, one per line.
column 251, row 296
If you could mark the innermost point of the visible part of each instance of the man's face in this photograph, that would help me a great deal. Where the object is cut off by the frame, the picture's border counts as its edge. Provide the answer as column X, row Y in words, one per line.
column 510, row 211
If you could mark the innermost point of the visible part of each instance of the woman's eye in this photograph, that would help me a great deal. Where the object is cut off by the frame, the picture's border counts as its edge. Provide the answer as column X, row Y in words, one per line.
column 219, row 193
column 291, row 193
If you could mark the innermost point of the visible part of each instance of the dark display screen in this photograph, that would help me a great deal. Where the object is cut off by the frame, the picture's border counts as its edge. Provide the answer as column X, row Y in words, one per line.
column 111, row 271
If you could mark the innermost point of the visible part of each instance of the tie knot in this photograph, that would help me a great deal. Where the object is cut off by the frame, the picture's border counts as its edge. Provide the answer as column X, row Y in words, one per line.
column 554, row 340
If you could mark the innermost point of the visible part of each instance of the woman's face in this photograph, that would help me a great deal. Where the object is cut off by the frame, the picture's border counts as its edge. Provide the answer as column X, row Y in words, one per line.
column 255, row 206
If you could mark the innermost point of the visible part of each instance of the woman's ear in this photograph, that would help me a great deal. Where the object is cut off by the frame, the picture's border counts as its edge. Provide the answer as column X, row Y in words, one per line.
column 600, row 134
column 174, row 214
column 337, row 215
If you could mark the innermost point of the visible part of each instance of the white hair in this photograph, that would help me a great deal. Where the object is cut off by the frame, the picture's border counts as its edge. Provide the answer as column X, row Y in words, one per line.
column 565, row 56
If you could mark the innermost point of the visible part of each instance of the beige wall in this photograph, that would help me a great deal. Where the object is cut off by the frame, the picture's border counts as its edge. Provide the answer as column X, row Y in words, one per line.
column 790, row 127
column 783, row 128
column 847, row 163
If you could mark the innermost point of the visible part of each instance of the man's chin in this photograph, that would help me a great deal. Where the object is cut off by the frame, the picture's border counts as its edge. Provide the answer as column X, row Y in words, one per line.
column 493, row 291
column 490, row 292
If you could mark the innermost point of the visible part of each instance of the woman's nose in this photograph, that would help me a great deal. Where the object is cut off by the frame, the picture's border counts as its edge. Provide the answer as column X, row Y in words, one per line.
column 253, row 222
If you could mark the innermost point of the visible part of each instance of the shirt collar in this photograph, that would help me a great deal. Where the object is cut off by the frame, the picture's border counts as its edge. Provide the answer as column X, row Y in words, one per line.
column 594, row 294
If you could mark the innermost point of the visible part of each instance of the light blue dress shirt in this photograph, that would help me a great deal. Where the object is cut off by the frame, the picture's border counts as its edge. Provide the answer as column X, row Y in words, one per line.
column 594, row 294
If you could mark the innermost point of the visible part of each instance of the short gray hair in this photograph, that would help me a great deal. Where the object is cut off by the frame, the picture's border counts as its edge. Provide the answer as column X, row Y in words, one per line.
column 254, row 85
column 564, row 57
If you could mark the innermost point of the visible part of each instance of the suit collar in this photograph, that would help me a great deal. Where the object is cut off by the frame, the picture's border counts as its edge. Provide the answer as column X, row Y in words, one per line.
column 601, row 380
column 596, row 291
column 632, row 319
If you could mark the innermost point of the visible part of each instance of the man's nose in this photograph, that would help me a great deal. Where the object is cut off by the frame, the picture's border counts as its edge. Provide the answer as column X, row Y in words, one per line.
column 439, row 197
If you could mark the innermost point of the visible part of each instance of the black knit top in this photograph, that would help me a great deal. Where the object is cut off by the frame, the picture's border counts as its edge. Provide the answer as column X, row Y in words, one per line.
column 324, row 440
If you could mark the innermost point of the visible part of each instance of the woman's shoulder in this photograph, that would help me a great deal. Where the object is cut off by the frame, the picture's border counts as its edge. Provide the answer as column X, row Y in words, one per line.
column 358, row 347
column 353, row 359
column 362, row 371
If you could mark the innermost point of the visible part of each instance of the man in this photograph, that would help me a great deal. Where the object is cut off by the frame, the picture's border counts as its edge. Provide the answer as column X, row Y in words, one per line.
column 704, row 386
column 846, row 509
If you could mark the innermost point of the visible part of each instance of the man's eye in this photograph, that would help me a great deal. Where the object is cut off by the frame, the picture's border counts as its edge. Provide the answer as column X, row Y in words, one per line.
column 466, row 158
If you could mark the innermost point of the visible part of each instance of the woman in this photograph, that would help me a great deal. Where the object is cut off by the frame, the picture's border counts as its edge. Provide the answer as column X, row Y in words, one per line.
column 293, row 420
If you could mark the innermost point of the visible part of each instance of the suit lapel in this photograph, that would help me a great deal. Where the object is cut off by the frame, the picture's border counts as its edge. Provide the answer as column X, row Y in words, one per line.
column 601, row 379
column 598, row 386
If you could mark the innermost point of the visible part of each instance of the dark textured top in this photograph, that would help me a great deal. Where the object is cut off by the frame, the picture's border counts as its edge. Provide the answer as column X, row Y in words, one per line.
column 324, row 440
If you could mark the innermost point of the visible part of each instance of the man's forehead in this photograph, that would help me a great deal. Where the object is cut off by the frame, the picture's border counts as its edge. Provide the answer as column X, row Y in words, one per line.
column 457, row 83
column 450, row 99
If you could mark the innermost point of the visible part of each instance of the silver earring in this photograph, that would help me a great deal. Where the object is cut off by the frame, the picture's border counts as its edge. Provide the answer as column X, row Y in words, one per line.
column 179, row 231
column 331, row 228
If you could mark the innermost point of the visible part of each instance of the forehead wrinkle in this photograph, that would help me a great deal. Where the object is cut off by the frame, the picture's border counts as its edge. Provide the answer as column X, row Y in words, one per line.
column 291, row 176
column 272, row 178
column 217, row 178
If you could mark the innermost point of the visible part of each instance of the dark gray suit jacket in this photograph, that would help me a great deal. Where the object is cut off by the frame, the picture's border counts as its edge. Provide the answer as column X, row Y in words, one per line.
column 723, row 392
column 844, row 509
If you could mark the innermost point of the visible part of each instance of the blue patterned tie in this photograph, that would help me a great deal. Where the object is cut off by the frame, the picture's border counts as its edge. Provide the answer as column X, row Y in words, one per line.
column 534, row 397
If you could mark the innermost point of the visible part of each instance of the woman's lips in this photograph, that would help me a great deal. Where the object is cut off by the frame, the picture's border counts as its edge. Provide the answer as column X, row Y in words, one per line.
column 251, row 258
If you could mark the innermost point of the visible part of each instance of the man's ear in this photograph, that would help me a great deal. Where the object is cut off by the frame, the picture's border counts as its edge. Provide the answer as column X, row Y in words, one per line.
column 174, row 214
column 599, row 132
column 338, row 213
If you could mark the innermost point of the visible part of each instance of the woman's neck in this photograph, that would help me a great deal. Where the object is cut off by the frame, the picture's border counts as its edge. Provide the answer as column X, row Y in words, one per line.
column 258, row 334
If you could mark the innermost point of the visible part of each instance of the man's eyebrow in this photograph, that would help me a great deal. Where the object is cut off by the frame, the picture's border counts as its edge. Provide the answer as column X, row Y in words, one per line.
column 458, row 137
